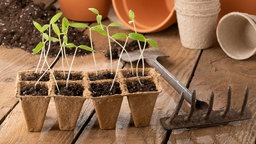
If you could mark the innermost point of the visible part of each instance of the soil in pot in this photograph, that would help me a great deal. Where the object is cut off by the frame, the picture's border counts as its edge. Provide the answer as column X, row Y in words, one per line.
column 69, row 102
column 34, row 101
column 17, row 30
column 34, row 90
column 107, row 103
column 146, row 85
column 35, row 76
column 130, row 74
column 101, row 89
column 101, row 76
column 73, row 76
column 142, row 98
column 73, row 89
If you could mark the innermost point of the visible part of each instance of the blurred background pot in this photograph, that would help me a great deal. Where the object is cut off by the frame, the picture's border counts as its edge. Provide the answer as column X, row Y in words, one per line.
column 150, row 15
column 78, row 9
column 246, row 6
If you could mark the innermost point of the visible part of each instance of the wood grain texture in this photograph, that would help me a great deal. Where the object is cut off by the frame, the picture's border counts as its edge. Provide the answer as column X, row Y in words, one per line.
column 181, row 63
column 11, row 62
column 13, row 129
column 215, row 72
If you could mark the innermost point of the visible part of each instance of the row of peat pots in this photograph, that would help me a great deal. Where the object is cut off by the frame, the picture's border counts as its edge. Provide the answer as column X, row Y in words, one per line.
column 141, row 89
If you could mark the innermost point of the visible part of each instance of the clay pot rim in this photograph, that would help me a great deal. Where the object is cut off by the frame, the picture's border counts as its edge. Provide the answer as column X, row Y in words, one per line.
column 171, row 18
column 241, row 15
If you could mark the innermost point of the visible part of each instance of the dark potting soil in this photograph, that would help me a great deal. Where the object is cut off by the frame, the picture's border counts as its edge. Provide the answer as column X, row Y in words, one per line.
column 130, row 74
column 17, row 30
column 35, row 77
column 101, row 89
column 147, row 85
column 31, row 89
column 108, row 75
column 73, row 89
column 73, row 76
column 116, row 49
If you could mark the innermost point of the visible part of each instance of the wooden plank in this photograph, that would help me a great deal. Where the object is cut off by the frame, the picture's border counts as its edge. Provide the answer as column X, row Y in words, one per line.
column 180, row 63
column 215, row 72
column 11, row 62
column 13, row 129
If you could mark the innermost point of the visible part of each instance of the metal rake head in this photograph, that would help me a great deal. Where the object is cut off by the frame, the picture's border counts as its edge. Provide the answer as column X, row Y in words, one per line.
column 207, row 118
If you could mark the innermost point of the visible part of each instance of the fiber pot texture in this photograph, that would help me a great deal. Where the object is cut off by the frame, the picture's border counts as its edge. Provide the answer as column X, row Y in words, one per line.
column 86, row 85
column 107, row 106
column 142, row 102
column 34, row 105
column 197, row 26
column 107, row 109
column 236, row 35
column 78, row 9
column 69, row 101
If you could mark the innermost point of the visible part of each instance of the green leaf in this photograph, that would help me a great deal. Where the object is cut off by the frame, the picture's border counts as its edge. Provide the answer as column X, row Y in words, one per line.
column 85, row 47
column 56, row 29
column 55, row 18
column 70, row 45
column 94, row 10
column 137, row 36
column 152, row 43
column 45, row 36
column 99, row 29
column 131, row 14
column 53, row 39
column 38, row 47
column 99, row 18
column 45, row 27
column 37, row 26
column 64, row 25
column 115, row 24
column 118, row 36
column 79, row 25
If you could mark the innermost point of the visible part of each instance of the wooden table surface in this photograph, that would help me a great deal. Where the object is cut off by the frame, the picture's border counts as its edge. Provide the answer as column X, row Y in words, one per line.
column 201, row 70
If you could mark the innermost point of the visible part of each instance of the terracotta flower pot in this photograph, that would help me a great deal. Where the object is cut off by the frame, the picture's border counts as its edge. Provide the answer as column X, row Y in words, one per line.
column 150, row 15
column 68, row 102
column 34, row 103
column 142, row 102
column 246, row 6
column 78, row 9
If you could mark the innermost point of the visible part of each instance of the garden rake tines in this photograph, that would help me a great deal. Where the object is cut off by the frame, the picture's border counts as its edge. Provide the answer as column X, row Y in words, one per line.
column 198, row 118
column 201, row 113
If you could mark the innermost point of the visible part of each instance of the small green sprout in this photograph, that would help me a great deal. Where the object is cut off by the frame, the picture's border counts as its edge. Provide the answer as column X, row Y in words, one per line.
column 62, row 39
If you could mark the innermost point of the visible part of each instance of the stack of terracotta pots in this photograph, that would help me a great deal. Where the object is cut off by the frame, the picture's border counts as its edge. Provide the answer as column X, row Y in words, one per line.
column 197, row 21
